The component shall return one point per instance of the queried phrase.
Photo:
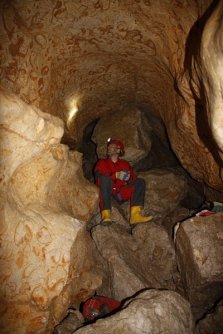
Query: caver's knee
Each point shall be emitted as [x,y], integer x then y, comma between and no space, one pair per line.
[105,181]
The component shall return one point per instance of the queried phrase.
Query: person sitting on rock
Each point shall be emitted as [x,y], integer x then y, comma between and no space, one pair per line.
[116,178]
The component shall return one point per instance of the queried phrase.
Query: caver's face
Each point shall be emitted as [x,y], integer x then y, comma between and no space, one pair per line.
[113,149]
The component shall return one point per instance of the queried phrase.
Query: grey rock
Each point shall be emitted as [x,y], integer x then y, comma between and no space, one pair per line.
[145,258]
[199,249]
[73,320]
[149,312]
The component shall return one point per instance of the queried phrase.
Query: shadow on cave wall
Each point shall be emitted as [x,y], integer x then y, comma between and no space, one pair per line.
[89,150]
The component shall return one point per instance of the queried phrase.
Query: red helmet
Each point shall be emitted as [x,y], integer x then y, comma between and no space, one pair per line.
[119,143]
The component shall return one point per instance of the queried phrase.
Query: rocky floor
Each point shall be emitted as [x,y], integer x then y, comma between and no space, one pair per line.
[171,284]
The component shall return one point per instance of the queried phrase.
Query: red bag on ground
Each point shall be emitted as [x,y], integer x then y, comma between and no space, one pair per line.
[205,213]
[99,306]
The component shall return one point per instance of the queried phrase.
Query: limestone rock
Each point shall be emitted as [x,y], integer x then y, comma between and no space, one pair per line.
[128,125]
[208,66]
[159,156]
[116,246]
[149,312]
[144,259]
[199,246]
[46,254]
[212,322]
[164,191]
[200,87]
[72,321]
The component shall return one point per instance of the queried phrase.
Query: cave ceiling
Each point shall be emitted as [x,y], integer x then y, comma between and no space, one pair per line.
[82,59]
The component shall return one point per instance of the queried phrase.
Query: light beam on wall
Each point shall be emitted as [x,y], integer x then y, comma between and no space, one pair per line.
[72,107]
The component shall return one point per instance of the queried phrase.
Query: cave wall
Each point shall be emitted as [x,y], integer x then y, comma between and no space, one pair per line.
[46,254]
[99,56]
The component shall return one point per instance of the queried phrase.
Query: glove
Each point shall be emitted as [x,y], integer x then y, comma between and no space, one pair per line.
[122,175]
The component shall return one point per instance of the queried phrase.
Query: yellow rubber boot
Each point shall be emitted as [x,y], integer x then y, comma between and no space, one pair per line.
[136,216]
[105,217]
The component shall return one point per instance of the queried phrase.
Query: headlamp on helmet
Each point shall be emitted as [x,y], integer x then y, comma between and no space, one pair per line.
[118,143]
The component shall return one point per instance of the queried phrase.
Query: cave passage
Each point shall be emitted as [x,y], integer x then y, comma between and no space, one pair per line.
[73,74]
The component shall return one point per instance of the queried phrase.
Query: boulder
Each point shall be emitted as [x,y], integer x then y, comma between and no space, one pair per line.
[212,323]
[164,191]
[165,188]
[70,323]
[156,255]
[199,250]
[145,258]
[130,126]
[151,311]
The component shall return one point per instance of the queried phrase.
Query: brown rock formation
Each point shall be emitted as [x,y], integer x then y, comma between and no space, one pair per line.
[46,255]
